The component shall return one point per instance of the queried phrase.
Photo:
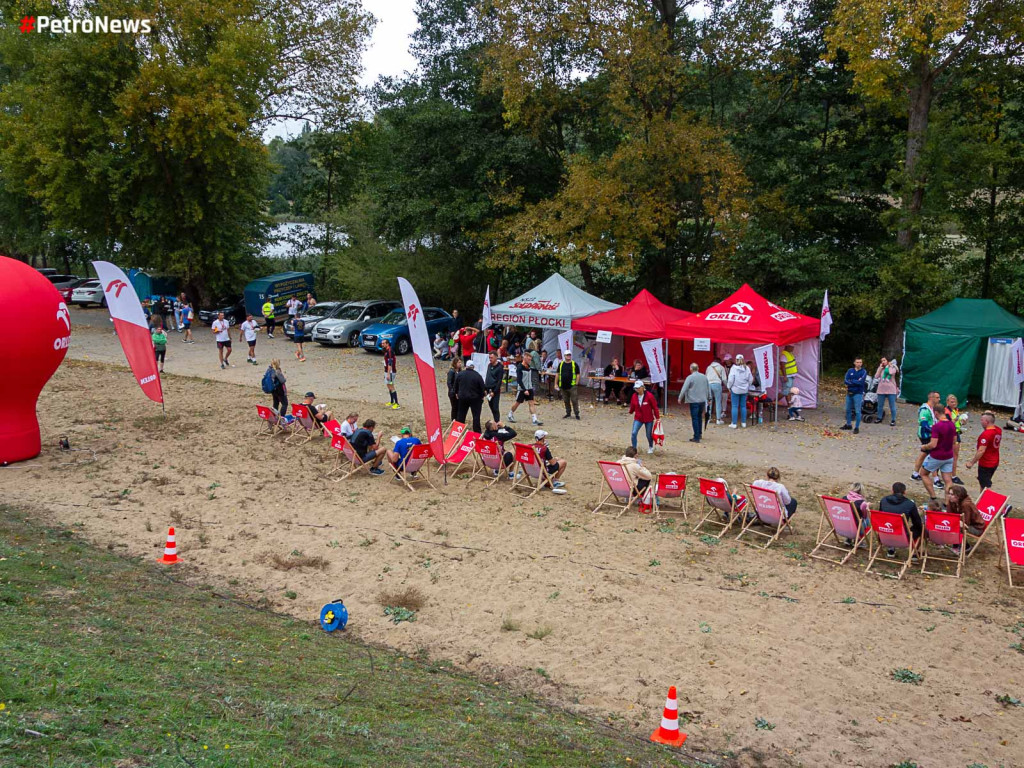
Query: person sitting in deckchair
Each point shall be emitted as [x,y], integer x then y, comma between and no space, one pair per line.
[406,441]
[364,442]
[772,484]
[736,501]
[319,411]
[555,467]
[496,430]
[350,425]
[856,497]
[638,473]
[959,503]
[899,503]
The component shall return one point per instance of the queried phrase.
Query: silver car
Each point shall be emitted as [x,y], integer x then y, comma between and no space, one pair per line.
[90,292]
[314,315]
[345,326]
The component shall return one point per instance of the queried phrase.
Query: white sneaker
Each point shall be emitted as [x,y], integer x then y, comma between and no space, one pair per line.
[719,421]
[512,418]
[651,449]
[744,425]
[732,426]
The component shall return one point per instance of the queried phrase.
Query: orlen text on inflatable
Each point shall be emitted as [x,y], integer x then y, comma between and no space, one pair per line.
[35,328]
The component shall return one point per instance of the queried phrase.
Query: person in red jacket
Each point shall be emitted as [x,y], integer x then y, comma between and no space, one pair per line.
[644,408]
[466,337]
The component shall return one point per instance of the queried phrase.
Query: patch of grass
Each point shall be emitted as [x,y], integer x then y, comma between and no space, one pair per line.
[904,675]
[399,614]
[543,673]
[509,625]
[654,563]
[711,541]
[1009,701]
[334,544]
[1018,647]
[410,598]
[849,600]
[86,682]
[291,594]
[568,525]
[763,725]
[540,632]
[705,628]
[554,595]
[440,532]
[667,526]
[904,764]
[296,560]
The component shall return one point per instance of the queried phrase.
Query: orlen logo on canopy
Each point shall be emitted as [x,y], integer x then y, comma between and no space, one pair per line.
[538,304]
[783,316]
[739,316]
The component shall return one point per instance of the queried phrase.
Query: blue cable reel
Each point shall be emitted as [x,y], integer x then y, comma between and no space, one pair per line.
[334,616]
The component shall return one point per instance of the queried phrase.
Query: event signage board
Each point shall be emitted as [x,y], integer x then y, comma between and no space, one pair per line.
[604,337]
[654,351]
[702,345]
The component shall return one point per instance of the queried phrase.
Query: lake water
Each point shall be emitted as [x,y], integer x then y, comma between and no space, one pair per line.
[294,239]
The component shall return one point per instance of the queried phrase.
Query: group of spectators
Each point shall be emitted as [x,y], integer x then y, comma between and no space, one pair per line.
[180,315]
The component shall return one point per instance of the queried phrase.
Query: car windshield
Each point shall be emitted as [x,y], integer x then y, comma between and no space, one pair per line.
[395,317]
[320,310]
[226,301]
[350,313]
[90,284]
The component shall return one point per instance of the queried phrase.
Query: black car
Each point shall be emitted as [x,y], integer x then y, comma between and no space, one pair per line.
[233,308]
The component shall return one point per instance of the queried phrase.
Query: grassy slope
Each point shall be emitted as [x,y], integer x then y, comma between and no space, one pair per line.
[114,665]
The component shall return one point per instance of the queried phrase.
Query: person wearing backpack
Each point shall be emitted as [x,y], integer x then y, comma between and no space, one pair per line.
[274,383]
[299,337]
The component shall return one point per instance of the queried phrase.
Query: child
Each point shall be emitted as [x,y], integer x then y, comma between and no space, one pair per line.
[796,403]
[160,345]
[440,346]
[186,322]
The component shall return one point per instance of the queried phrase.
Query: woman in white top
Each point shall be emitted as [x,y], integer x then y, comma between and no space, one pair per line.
[739,382]
[773,484]
[716,379]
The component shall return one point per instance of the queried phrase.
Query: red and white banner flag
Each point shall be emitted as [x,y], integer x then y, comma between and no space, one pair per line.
[654,351]
[1017,361]
[131,326]
[485,318]
[565,342]
[826,318]
[423,354]
[764,359]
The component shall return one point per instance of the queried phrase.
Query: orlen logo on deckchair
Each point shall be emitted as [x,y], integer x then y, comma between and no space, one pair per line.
[1017,543]
[886,527]
[942,526]
[671,485]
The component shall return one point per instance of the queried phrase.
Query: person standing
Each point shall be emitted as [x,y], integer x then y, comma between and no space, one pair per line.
[470,391]
[493,379]
[186,322]
[568,379]
[280,391]
[248,330]
[986,456]
[887,389]
[527,378]
[856,380]
[466,337]
[453,374]
[958,419]
[695,393]
[160,345]
[716,376]
[293,305]
[925,420]
[222,332]
[269,317]
[182,302]
[390,372]
[739,383]
[299,337]
[788,368]
[158,313]
[939,454]
[644,407]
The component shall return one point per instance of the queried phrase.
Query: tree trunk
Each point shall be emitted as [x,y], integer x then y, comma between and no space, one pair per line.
[917,128]
[587,272]
[990,230]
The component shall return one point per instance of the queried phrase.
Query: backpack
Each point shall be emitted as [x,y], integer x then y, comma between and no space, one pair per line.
[269,382]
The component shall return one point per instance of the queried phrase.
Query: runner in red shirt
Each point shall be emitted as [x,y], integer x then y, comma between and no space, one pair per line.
[466,337]
[987,455]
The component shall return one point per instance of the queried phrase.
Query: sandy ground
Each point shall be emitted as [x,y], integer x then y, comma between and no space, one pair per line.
[632,606]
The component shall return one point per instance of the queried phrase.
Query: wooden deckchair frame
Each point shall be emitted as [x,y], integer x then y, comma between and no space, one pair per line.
[999,513]
[523,482]
[298,424]
[354,464]
[752,520]
[925,556]
[823,536]
[684,506]
[713,511]
[401,473]
[875,548]
[466,435]
[267,427]
[481,470]
[605,494]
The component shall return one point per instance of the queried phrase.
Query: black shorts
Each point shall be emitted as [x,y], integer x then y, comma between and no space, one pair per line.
[161,354]
[223,345]
[552,468]
[251,343]
[958,437]
[524,395]
[299,339]
[925,441]
[985,476]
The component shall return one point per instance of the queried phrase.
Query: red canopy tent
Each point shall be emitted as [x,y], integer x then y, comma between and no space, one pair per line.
[746,317]
[644,317]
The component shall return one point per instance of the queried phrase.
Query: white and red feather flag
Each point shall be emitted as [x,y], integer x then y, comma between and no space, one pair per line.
[826,318]
[131,326]
[423,354]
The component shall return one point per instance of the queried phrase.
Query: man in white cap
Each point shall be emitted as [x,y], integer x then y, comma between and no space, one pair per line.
[470,392]
[740,379]
[555,467]
[644,407]
[568,378]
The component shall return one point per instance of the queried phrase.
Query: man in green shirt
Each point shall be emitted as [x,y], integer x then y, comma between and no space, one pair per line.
[160,345]
[268,316]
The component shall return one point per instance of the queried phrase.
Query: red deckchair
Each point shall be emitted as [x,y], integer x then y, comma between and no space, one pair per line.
[1013,544]
[303,423]
[621,488]
[943,529]
[718,501]
[270,422]
[332,428]
[463,451]
[454,437]
[534,474]
[844,522]
[768,510]
[892,531]
[348,462]
[990,506]
[670,486]
[489,465]
[413,468]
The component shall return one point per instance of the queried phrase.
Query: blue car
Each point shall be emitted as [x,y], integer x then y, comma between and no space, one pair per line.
[394,328]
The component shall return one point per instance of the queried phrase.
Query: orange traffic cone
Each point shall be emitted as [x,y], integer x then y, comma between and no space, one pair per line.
[171,550]
[669,733]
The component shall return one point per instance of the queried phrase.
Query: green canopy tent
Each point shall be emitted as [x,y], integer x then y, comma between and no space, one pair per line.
[946,350]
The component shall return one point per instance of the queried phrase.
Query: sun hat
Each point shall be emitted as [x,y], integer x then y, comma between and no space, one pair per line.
[540,434]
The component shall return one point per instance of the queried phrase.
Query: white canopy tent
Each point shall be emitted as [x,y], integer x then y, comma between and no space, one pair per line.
[553,304]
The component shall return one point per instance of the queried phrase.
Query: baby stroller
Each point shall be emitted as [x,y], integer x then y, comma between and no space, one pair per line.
[870,405]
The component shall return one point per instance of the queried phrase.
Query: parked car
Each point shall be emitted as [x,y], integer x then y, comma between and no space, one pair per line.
[60,282]
[89,292]
[233,308]
[69,291]
[344,327]
[395,328]
[312,317]
[46,271]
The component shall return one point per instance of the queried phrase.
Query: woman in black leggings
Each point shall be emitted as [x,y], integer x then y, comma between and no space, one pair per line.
[453,372]
[280,393]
